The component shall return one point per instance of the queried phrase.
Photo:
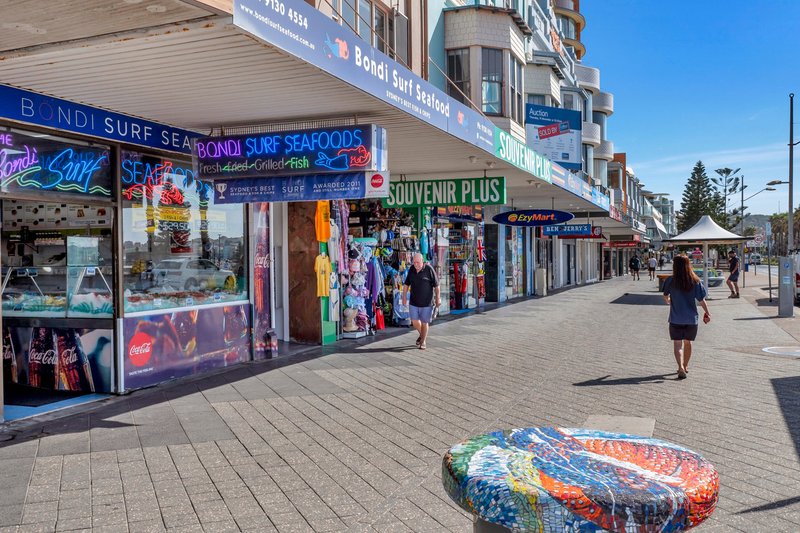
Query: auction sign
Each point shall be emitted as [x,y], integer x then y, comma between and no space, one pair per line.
[556,133]
[287,153]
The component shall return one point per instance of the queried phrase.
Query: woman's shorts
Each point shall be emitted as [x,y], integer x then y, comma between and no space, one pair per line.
[682,332]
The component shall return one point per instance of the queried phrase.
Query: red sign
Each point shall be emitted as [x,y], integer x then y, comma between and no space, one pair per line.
[621,244]
[551,130]
[140,348]
[377,180]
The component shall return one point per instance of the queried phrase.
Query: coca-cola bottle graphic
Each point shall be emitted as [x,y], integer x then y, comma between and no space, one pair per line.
[42,359]
[185,323]
[235,323]
[74,371]
[261,282]
[9,357]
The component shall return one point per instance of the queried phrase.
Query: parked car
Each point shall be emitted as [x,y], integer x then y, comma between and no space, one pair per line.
[755,259]
[192,274]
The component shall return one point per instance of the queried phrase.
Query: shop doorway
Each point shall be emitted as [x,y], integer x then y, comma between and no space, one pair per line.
[58,304]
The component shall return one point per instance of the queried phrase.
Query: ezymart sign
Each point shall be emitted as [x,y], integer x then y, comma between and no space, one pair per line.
[428,193]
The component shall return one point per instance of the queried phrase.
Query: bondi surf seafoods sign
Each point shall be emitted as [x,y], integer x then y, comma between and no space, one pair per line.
[533,217]
[283,153]
[467,191]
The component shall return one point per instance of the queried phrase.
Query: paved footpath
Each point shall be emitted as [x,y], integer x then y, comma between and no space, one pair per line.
[352,440]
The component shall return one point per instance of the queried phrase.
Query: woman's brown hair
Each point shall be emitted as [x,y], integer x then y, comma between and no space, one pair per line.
[683,277]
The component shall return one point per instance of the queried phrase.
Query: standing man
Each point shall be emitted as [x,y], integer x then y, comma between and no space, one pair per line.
[652,263]
[733,277]
[634,264]
[424,285]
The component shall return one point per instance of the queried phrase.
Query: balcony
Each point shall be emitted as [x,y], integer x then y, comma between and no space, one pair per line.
[591,134]
[603,103]
[588,78]
[605,151]
[514,8]
[566,8]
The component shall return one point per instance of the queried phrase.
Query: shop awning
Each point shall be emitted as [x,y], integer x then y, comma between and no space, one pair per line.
[192,67]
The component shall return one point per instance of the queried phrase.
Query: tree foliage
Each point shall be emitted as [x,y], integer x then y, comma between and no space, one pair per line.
[699,198]
[727,184]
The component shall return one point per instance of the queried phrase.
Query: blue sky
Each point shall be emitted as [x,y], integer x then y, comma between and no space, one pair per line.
[706,80]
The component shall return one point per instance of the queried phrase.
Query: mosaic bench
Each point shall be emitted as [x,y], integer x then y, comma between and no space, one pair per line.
[552,480]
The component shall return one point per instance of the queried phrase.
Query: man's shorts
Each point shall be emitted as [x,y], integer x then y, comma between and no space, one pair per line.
[682,332]
[651,269]
[634,269]
[423,314]
[734,277]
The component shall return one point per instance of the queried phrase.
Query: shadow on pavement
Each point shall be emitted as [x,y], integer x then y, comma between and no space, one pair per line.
[756,318]
[640,299]
[773,505]
[787,390]
[656,378]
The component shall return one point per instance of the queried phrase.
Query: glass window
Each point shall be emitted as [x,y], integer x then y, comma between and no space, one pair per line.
[381,37]
[568,100]
[537,99]
[365,20]
[458,72]
[492,81]
[179,249]
[349,14]
[517,107]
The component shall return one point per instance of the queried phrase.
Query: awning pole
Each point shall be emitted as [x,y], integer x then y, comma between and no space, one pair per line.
[705,265]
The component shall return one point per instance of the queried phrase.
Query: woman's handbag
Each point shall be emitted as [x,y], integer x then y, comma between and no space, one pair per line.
[379,320]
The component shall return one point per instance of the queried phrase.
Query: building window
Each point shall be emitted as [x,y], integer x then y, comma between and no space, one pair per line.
[348,11]
[517,106]
[537,99]
[365,20]
[458,71]
[492,81]
[568,101]
[381,30]
[369,21]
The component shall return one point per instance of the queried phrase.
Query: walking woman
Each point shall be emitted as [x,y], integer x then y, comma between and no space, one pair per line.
[682,290]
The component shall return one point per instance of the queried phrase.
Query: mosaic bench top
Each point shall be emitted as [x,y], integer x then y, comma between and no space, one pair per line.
[552,480]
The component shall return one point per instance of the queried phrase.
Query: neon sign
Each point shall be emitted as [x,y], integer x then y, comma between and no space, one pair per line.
[43,163]
[344,149]
[168,182]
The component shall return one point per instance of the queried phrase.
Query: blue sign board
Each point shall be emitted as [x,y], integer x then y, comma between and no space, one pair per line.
[308,34]
[568,230]
[555,133]
[533,217]
[285,153]
[40,162]
[32,108]
[345,186]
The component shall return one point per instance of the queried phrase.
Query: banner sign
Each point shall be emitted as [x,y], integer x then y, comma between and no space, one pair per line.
[621,244]
[466,191]
[68,359]
[577,230]
[597,233]
[32,163]
[287,153]
[556,133]
[167,346]
[345,186]
[32,108]
[304,32]
[510,150]
[533,217]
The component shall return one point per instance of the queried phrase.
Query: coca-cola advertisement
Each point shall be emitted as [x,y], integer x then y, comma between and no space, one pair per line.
[167,346]
[68,359]
[261,287]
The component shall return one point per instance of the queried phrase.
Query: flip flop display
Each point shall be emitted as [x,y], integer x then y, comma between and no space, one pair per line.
[552,480]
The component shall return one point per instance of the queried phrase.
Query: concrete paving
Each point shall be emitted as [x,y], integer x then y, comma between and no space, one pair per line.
[351,440]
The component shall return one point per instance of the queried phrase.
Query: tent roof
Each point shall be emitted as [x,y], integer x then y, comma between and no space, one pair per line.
[706,231]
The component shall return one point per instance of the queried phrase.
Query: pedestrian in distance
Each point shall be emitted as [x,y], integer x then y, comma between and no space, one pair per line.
[661,261]
[635,264]
[423,283]
[733,277]
[651,267]
[682,290]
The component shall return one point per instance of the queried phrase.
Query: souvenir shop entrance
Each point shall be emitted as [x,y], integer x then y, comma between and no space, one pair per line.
[458,256]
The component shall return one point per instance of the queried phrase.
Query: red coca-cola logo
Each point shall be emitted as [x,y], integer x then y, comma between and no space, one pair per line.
[46,358]
[140,349]
[376,181]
